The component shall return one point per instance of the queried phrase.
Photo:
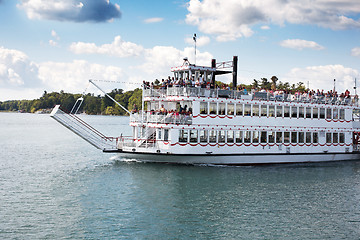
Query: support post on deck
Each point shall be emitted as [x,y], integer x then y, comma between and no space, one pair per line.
[213,65]
[235,63]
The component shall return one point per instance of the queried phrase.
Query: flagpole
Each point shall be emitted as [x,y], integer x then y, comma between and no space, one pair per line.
[194,38]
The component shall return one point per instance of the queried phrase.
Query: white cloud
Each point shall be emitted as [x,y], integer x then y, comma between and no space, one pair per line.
[234,18]
[153,20]
[55,35]
[200,41]
[73,76]
[265,27]
[322,77]
[160,59]
[118,48]
[355,52]
[71,10]
[16,69]
[301,44]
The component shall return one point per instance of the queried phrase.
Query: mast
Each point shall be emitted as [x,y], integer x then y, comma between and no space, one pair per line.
[194,38]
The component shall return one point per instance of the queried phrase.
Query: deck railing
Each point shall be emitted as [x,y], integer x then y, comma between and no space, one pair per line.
[157,117]
[234,94]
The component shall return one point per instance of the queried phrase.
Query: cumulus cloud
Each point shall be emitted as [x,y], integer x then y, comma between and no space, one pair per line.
[71,10]
[118,48]
[322,77]
[153,20]
[200,41]
[160,59]
[301,44]
[17,70]
[235,18]
[355,52]
[72,76]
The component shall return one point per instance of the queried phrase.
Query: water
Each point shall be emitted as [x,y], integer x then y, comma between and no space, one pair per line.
[54,185]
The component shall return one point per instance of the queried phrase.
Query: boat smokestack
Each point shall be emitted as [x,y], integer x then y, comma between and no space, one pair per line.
[213,65]
[235,63]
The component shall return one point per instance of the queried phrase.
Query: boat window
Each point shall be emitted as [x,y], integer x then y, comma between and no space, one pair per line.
[328,113]
[203,136]
[293,137]
[315,113]
[286,137]
[247,110]
[255,110]
[193,136]
[264,110]
[278,137]
[301,137]
[212,136]
[271,111]
[184,107]
[328,137]
[342,114]
[286,111]
[203,108]
[212,108]
[221,109]
[279,111]
[159,134]
[183,136]
[230,109]
[294,112]
[341,138]
[230,136]
[271,137]
[166,134]
[239,136]
[239,109]
[335,113]
[247,137]
[308,112]
[335,138]
[315,137]
[221,136]
[255,137]
[308,137]
[301,112]
[263,137]
[322,113]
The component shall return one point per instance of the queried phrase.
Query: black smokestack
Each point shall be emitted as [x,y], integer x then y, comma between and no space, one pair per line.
[235,63]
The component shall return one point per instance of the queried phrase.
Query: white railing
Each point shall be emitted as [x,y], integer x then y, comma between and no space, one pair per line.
[234,94]
[157,117]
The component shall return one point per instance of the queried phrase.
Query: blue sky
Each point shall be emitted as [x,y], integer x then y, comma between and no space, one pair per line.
[58,45]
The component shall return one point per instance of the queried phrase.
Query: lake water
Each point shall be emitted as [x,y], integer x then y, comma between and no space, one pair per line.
[54,185]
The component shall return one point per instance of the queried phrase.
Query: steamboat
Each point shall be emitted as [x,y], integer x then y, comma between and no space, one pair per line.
[188,120]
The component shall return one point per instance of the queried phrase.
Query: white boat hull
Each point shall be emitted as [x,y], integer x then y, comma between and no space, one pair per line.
[241,159]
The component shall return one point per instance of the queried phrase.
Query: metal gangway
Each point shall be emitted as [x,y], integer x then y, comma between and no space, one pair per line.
[84,130]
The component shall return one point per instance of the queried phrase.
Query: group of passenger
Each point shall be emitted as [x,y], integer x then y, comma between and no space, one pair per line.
[200,82]
[163,111]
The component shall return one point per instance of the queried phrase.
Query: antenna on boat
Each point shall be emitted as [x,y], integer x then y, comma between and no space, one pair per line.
[194,38]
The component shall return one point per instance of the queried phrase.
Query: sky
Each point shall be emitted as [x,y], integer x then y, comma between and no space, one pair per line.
[54,45]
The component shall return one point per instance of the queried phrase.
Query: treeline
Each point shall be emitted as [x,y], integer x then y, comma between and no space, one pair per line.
[91,104]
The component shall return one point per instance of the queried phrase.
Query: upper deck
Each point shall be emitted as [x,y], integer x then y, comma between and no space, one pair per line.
[185,91]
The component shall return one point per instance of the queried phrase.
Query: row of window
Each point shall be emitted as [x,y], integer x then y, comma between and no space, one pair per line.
[223,136]
[240,109]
